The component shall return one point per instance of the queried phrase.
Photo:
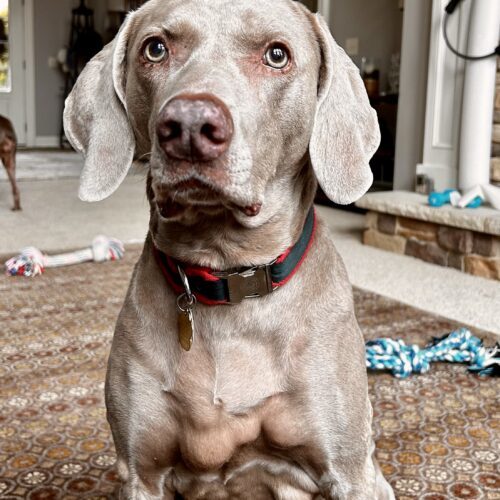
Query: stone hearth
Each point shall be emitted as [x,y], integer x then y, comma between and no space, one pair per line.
[402,222]
[495,160]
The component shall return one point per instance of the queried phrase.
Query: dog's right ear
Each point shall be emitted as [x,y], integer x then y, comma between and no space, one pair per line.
[96,122]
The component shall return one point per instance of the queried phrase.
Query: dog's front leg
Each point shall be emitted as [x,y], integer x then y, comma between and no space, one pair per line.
[137,490]
[343,418]
[141,430]
[359,483]
[137,482]
[351,470]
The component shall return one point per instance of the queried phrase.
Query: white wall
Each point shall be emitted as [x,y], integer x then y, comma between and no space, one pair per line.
[413,93]
[51,33]
[377,23]
[52,26]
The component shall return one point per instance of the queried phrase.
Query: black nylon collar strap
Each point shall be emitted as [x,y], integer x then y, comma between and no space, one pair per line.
[217,288]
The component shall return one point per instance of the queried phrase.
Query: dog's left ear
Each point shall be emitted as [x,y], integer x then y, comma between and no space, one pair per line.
[96,122]
[346,133]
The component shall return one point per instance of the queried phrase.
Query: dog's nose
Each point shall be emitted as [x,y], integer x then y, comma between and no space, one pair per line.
[195,128]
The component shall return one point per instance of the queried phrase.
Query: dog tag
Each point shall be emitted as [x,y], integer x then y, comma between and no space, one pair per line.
[186,329]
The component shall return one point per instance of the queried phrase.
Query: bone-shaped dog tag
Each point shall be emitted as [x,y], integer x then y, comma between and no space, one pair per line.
[186,329]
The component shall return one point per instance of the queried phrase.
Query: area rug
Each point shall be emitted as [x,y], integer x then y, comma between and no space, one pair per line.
[437,435]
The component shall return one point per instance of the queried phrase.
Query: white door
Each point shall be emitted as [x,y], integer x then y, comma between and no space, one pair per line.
[12,65]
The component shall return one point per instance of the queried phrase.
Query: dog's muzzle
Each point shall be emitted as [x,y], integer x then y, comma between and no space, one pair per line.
[195,128]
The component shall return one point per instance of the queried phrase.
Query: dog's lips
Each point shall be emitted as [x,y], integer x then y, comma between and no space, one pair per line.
[169,209]
[174,200]
[193,193]
[192,184]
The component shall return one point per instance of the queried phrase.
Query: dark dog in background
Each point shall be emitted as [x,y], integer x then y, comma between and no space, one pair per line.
[8,148]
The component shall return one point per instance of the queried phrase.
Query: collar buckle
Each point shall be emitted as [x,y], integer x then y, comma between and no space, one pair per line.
[249,284]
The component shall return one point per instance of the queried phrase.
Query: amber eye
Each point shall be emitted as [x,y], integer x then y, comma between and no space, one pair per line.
[155,51]
[277,56]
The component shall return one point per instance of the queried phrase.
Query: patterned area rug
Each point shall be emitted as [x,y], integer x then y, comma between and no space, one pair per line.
[437,435]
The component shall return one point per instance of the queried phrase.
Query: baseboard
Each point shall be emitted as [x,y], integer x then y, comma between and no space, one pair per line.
[47,141]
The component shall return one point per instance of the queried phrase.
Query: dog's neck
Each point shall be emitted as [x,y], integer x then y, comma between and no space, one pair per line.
[220,242]
[213,287]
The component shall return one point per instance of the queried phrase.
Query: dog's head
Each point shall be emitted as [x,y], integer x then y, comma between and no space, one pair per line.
[228,100]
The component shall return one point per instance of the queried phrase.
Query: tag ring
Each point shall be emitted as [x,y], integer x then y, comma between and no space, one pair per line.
[186,303]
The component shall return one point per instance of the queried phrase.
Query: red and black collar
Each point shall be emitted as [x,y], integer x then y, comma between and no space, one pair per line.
[232,287]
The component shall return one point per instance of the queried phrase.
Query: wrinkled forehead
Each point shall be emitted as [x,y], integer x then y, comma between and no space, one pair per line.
[242,22]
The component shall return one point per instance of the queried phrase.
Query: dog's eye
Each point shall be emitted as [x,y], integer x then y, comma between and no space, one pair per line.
[155,51]
[277,56]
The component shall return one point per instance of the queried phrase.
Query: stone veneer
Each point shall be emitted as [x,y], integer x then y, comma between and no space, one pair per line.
[495,160]
[469,251]
[403,222]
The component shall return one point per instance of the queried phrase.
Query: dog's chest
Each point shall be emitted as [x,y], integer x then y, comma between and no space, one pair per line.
[235,378]
[236,366]
[227,397]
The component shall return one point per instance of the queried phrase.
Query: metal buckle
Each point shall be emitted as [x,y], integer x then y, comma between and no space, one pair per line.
[250,284]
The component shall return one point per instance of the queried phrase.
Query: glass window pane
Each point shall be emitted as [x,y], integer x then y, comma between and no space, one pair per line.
[4,47]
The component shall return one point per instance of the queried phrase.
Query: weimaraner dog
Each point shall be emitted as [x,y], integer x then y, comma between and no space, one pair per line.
[237,368]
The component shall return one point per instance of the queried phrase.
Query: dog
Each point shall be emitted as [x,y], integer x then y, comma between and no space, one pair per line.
[8,149]
[237,368]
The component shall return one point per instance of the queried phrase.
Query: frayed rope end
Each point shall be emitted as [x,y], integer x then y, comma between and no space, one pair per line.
[30,263]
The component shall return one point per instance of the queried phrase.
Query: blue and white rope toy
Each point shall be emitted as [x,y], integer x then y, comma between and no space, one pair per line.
[459,347]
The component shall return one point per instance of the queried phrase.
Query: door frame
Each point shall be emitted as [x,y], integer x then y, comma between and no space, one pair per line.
[324,9]
[29,73]
[413,92]
[13,99]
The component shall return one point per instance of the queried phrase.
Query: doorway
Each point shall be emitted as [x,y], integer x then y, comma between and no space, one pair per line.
[12,66]
[311,4]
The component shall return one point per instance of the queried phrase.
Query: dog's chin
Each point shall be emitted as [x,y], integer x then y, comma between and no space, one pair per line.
[192,199]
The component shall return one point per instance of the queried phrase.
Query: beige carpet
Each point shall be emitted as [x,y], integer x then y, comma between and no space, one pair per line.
[437,435]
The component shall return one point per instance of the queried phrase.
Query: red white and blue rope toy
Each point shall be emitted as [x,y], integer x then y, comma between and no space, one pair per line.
[32,262]
[459,347]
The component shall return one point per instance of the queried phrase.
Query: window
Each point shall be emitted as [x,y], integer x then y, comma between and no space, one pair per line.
[4,47]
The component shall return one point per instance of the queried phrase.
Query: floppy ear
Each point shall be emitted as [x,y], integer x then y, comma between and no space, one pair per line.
[96,123]
[346,133]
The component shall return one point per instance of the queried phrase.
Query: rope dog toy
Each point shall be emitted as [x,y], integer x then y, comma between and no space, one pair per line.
[32,262]
[459,347]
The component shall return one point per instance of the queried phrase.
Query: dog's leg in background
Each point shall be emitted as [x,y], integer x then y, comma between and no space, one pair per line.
[8,150]
[9,161]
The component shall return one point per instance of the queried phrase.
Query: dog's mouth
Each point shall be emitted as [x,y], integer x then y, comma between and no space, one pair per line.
[173,201]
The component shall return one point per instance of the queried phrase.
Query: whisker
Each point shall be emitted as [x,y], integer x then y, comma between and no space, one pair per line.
[145,155]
